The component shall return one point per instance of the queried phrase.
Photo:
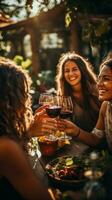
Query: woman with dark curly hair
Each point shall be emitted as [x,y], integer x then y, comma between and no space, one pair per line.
[75,78]
[17,180]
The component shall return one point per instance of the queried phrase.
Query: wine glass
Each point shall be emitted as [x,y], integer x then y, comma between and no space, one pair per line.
[66,107]
[54,107]
[52,104]
[66,111]
[45,99]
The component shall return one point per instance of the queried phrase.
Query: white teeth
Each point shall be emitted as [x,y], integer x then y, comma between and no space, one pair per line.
[72,79]
[102,90]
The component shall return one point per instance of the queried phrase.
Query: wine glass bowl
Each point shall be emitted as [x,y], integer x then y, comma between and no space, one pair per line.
[66,107]
[45,99]
[52,103]
[53,111]
[54,108]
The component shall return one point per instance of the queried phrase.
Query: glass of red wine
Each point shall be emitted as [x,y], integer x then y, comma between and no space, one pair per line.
[66,112]
[51,103]
[54,107]
[66,107]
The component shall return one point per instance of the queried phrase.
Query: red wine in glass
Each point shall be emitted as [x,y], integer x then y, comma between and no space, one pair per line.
[66,115]
[53,111]
[66,107]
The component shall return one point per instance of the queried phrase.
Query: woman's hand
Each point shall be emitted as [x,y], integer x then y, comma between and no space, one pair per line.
[67,126]
[42,124]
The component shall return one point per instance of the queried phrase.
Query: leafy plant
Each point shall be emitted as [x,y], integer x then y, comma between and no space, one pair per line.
[41,82]
[19,60]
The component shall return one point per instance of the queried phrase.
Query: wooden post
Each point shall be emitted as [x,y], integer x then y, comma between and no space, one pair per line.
[34,47]
[74,37]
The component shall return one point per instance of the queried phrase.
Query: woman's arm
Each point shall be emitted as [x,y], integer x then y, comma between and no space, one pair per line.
[15,167]
[100,123]
[87,138]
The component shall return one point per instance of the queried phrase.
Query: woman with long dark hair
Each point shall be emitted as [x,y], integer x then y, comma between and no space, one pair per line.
[75,78]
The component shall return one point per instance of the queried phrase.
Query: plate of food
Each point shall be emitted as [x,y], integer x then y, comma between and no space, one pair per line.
[68,170]
[74,171]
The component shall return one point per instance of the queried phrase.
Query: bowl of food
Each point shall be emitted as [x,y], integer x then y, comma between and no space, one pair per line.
[48,144]
[68,171]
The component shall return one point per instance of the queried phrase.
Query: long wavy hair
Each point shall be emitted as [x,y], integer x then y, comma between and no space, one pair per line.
[15,100]
[88,77]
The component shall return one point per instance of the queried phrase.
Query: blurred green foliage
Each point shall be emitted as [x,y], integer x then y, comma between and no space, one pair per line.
[41,82]
[19,60]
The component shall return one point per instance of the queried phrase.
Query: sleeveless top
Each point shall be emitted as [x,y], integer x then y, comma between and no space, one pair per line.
[7,191]
[108,127]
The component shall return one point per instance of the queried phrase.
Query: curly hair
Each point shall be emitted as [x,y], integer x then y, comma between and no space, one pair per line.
[88,79]
[15,100]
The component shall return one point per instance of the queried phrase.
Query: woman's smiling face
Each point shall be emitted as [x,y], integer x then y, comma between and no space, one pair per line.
[105,84]
[72,73]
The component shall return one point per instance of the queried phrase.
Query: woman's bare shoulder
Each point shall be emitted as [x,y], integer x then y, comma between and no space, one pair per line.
[103,107]
[9,149]
[7,144]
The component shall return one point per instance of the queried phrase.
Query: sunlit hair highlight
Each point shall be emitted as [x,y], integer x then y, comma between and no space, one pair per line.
[15,100]
[88,79]
[107,63]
